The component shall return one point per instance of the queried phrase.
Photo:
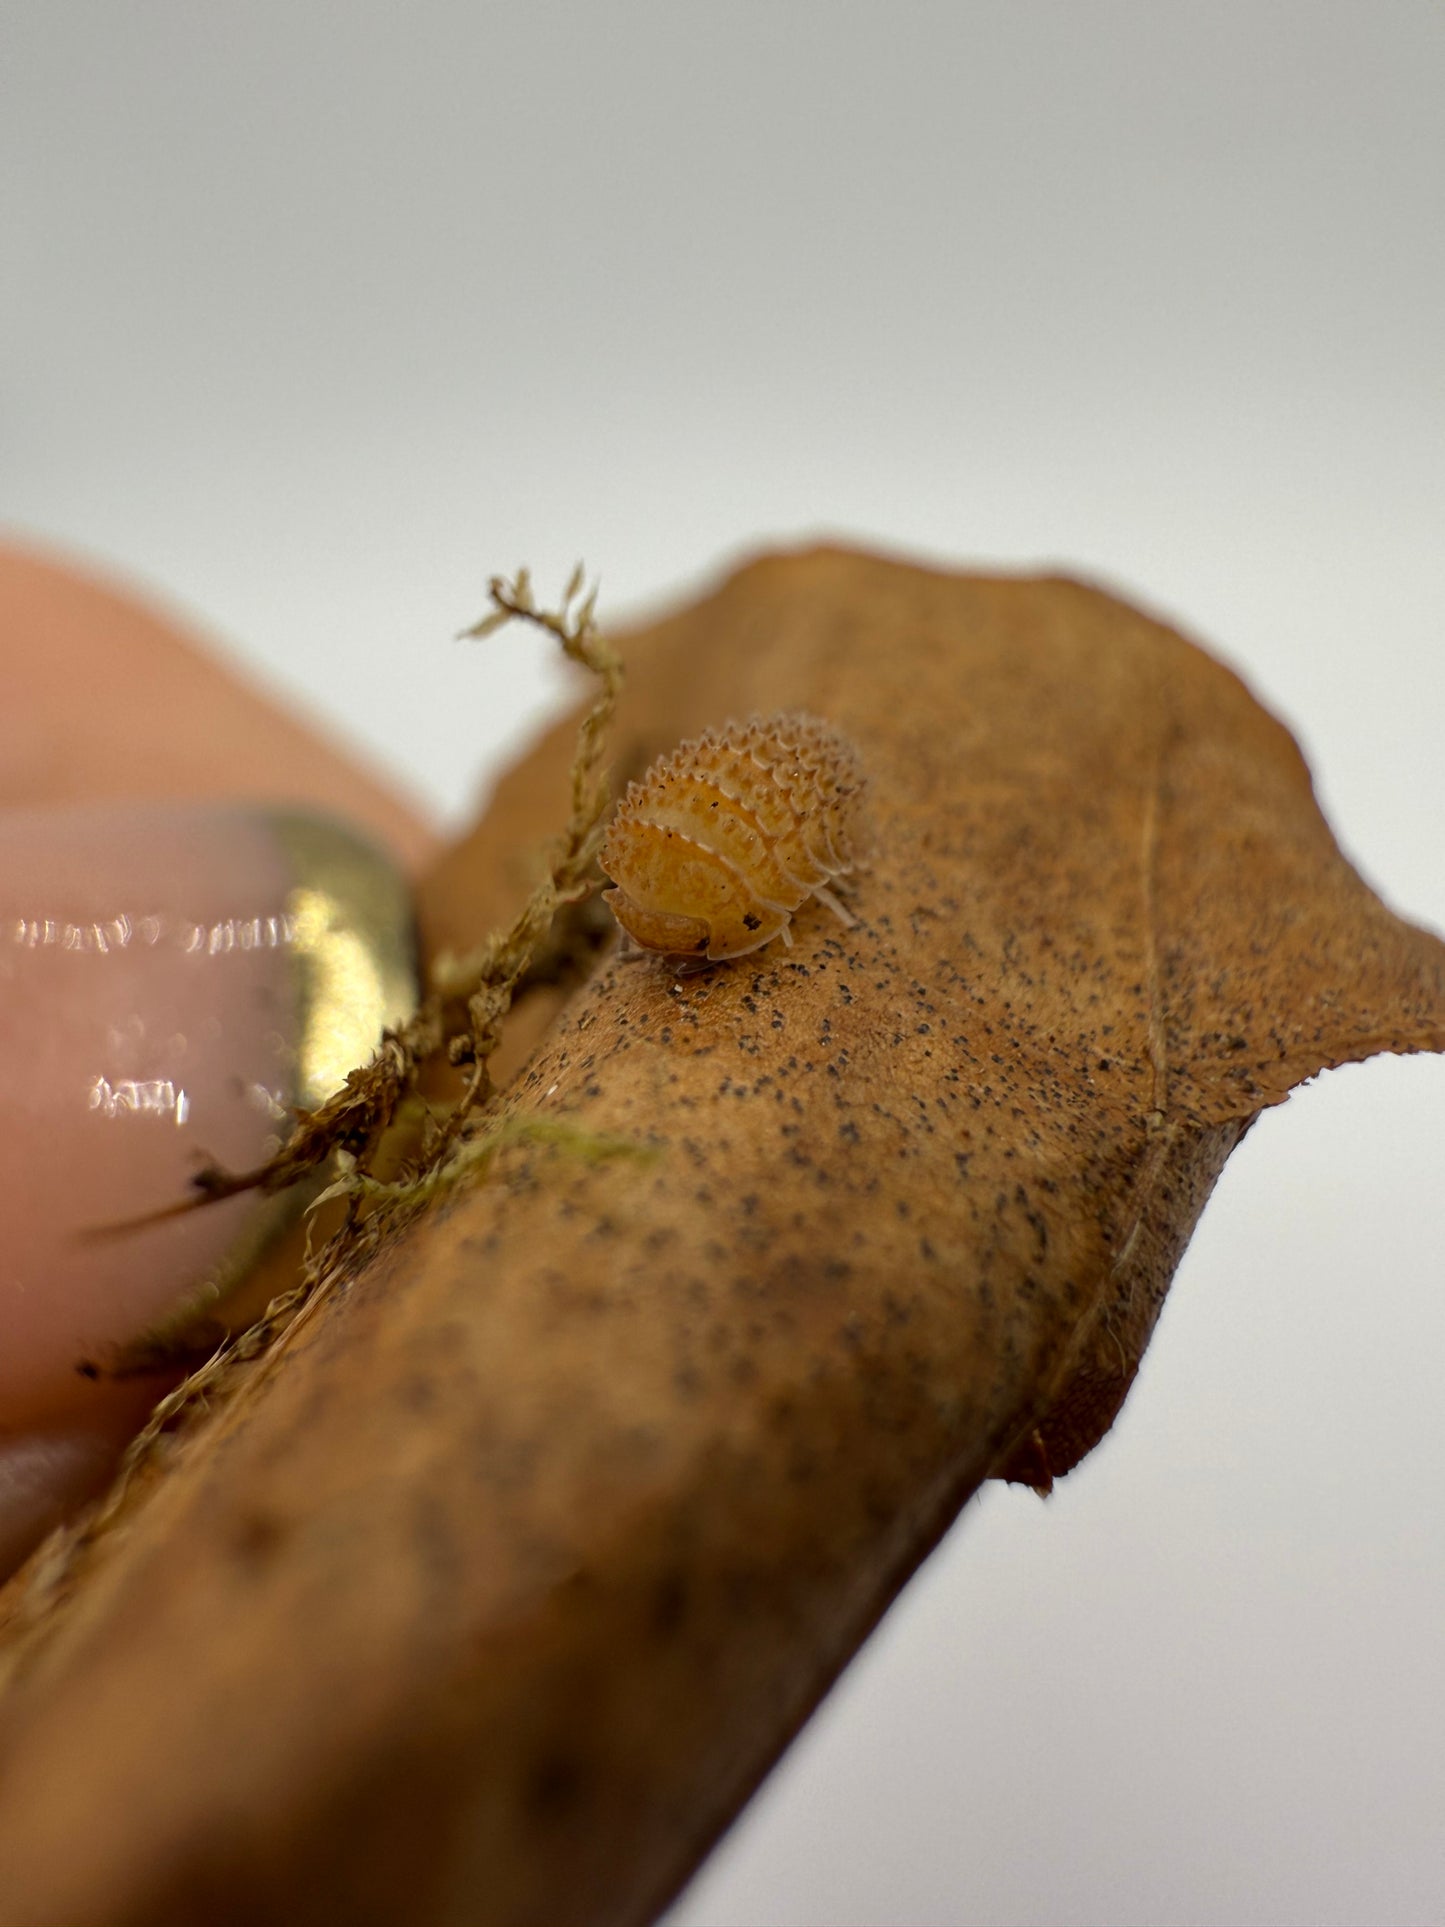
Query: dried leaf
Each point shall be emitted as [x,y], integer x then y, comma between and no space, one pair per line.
[493,1597]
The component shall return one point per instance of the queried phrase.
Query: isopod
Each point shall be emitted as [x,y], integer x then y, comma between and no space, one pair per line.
[724,838]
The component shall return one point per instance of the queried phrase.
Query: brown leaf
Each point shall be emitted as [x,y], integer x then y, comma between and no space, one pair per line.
[492,1596]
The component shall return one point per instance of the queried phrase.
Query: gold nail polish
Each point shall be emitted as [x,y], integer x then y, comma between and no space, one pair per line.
[354,948]
[348,926]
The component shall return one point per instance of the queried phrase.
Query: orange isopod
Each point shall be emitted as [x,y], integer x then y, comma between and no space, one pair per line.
[723,839]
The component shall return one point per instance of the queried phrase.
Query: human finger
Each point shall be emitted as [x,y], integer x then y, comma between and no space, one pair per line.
[166,972]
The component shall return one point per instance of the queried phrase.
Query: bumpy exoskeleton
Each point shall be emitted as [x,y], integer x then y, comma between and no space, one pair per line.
[722,840]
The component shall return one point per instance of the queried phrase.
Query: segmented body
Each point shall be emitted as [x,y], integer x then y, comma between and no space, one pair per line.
[723,839]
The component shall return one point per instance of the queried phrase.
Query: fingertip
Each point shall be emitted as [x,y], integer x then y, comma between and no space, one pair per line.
[176,983]
[109,694]
[47,1475]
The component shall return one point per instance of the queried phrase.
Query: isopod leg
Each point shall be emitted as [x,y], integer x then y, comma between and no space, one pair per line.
[848,921]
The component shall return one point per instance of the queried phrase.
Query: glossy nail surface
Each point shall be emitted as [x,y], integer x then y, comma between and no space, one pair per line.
[172,983]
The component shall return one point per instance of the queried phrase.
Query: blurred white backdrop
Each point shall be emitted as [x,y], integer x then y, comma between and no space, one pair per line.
[316,314]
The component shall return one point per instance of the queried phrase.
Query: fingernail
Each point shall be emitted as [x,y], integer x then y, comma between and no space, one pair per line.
[172,983]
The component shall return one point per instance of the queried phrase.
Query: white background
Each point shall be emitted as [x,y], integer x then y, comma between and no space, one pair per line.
[314,315]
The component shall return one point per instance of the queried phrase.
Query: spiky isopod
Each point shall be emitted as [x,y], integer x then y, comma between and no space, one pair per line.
[722,840]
